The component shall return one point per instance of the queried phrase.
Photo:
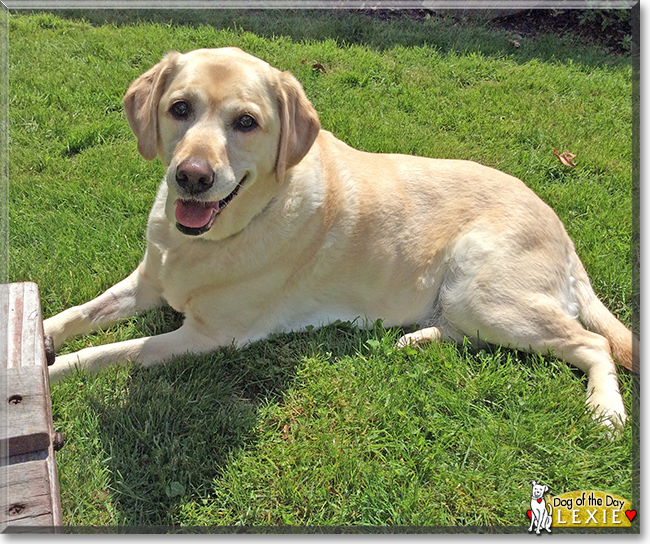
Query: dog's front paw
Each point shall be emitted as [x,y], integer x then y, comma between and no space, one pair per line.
[609,413]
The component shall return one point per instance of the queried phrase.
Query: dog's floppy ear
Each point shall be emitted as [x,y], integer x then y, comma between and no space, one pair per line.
[141,104]
[299,124]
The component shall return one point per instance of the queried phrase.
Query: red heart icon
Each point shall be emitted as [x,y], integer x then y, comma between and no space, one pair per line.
[539,500]
[630,514]
[529,513]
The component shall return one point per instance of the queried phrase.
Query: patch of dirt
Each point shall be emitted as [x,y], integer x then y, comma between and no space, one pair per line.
[587,25]
[611,30]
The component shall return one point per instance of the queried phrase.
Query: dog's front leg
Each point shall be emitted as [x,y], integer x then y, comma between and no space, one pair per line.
[126,298]
[147,351]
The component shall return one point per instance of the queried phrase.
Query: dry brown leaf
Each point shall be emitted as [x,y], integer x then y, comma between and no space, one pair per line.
[319,67]
[566,158]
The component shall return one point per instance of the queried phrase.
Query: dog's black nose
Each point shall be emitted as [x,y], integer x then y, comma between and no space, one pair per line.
[195,175]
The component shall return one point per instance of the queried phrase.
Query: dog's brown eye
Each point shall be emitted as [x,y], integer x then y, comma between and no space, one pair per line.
[246,122]
[180,109]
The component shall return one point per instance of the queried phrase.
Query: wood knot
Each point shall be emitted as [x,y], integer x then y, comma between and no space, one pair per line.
[15,509]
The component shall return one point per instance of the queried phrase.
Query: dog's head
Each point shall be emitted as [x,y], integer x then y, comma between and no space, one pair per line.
[227,126]
[538,490]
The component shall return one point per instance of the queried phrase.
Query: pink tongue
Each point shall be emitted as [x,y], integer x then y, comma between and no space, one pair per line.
[193,214]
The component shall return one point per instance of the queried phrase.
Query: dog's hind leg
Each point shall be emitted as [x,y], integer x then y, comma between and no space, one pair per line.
[526,293]
[539,324]
[591,353]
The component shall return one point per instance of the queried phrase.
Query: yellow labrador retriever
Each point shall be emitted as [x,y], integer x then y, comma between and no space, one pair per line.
[266,223]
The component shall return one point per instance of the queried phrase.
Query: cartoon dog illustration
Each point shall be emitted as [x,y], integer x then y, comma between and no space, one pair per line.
[540,517]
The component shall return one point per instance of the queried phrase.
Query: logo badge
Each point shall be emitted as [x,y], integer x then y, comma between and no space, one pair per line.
[577,509]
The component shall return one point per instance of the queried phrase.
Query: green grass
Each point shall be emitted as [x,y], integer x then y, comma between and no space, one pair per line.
[328,427]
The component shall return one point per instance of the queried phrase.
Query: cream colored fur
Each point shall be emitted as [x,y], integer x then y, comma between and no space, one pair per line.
[320,231]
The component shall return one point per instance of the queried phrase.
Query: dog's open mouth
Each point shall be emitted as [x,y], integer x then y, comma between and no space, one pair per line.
[195,217]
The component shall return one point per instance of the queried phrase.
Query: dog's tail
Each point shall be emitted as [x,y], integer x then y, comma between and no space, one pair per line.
[597,318]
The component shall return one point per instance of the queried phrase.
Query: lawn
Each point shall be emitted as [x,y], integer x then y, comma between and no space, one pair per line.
[330,427]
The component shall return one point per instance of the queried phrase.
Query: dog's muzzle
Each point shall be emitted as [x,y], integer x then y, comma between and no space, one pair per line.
[195,216]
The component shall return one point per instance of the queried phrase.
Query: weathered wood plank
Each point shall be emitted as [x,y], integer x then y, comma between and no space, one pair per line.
[28,496]
[14,325]
[24,325]
[29,484]
[32,348]
[26,407]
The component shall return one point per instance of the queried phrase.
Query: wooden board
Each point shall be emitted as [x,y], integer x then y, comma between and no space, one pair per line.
[28,499]
[21,333]
[24,403]
[29,484]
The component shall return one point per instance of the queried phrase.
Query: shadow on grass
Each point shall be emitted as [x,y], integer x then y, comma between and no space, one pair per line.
[380,30]
[174,427]
[170,432]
